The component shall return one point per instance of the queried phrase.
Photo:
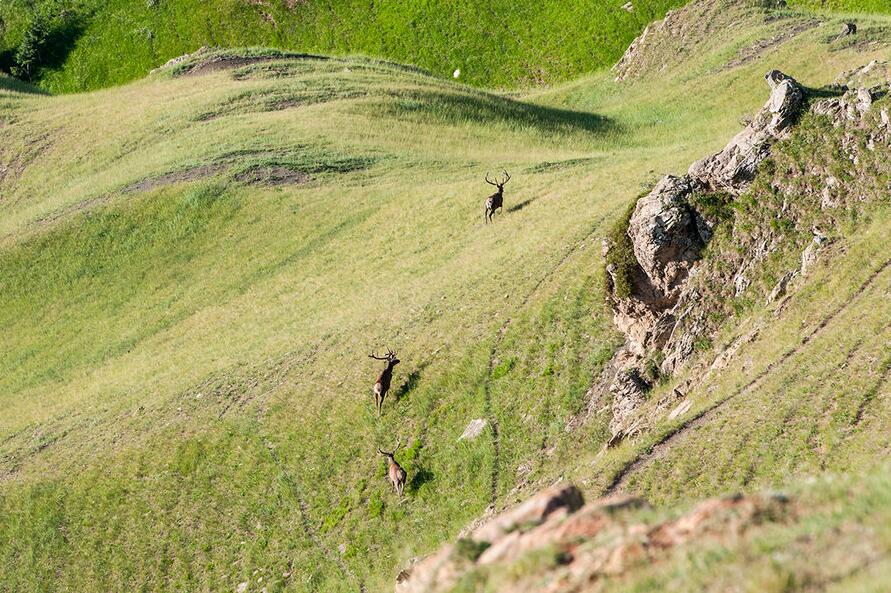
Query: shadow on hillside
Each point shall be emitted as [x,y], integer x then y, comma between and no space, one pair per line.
[51,40]
[486,108]
[60,42]
[421,476]
[519,206]
[410,382]
[824,92]
[7,83]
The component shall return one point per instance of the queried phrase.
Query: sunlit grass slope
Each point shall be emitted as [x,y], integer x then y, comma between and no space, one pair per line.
[76,45]
[194,269]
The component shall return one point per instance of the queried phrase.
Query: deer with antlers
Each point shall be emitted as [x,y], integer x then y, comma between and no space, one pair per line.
[495,201]
[395,473]
[382,386]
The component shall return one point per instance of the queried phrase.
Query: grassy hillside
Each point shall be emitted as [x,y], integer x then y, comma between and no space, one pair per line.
[851,6]
[195,267]
[76,45]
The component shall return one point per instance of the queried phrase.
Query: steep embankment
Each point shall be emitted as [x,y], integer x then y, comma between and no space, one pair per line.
[196,266]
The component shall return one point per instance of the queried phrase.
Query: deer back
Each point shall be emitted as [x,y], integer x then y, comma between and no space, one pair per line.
[385,377]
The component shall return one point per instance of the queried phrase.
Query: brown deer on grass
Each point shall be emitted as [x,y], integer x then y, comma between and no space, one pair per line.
[382,386]
[395,473]
[495,201]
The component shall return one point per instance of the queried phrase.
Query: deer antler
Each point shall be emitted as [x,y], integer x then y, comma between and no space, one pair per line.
[382,452]
[376,357]
[506,177]
[489,181]
[396,448]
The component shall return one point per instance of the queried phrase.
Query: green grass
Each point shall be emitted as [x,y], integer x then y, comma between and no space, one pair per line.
[183,369]
[64,45]
[496,44]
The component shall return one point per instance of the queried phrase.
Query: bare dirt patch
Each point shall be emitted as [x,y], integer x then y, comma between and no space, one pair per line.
[215,63]
[190,174]
[276,175]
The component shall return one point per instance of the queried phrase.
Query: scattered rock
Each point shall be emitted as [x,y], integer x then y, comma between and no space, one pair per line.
[848,29]
[779,290]
[828,197]
[810,255]
[629,393]
[474,429]
[628,7]
[681,409]
[242,587]
[180,59]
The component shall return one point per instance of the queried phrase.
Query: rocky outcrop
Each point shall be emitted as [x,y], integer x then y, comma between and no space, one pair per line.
[664,309]
[493,541]
[694,28]
[593,541]
[668,234]
[734,168]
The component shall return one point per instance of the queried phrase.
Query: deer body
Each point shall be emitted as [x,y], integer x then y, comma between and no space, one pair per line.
[395,474]
[496,200]
[382,385]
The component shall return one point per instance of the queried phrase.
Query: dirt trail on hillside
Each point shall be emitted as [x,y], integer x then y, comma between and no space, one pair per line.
[499,338]
[660,448]
[309,530]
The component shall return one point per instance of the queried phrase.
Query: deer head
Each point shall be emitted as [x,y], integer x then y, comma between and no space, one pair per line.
[498,182]
[391,453]
[390,357]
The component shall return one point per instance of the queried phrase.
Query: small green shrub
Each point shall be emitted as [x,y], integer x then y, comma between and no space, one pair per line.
[716,207]
[620,257]
[375,505]
[468,549]
[702,344]
[504,367]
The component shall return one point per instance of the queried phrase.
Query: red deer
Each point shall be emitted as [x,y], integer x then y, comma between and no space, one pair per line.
[495,201]
[383,381]
[395,473]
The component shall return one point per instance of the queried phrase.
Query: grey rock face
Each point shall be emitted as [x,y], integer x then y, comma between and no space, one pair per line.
[734,168]
[664,233]
[667,232]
